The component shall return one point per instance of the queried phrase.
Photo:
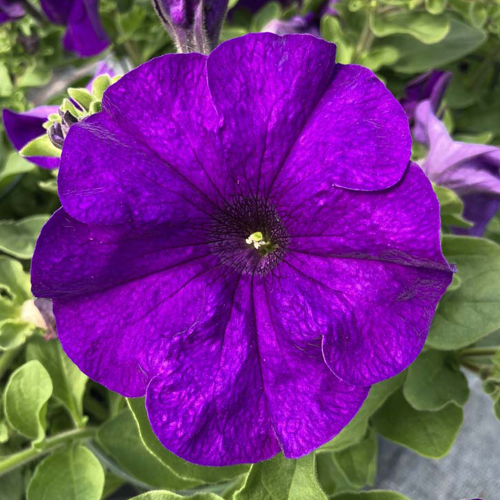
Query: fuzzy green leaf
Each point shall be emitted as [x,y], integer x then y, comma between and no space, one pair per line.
[120,438]
[371,495]
[423,26]
[15,165]
[435,380]
[41,146]
[25,400]
[168,495]
[17,238]
[71,474]
[468,313]
[82,96]
[100,84]
[282,479]
[429,433]
[68,381]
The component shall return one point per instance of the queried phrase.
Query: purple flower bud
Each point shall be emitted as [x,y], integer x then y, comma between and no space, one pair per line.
[56,135]
[194,25]
[10,10]
[431,85]
[84,34]
[471,170]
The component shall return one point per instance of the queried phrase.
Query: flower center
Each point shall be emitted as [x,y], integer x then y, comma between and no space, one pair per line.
[249,235]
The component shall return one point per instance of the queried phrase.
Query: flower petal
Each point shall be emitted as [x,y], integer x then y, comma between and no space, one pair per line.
[166,102]
[357,137]
[399,225]
[121,337]
[108,176]
[308,404]
[479,208]
[72,258]
[22,128]
[209,404]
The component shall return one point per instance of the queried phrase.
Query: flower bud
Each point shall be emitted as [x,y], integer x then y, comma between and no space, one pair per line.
[194,25]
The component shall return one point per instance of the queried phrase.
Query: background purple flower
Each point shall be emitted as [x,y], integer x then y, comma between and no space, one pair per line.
[471,170]
[22,128]
[243,242]
[84,34]
[11,10]
[297,24]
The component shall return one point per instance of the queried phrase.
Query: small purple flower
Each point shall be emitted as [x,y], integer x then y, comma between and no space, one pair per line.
[84,34]
[11,10]
[471,170]
[429,86]
[243,241]
[22,128]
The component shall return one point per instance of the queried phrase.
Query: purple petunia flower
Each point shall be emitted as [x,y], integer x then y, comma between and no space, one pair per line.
[471,170]
[84,34]
[430,86]
[23,127]
[11,10]
[243,241]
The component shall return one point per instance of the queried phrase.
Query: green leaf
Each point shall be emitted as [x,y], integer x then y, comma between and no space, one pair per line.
[41,146]
[417,57]
[182,468]
[68,381]
[13,333]
[72,474]
[378,57]
[120,439]
[359,462]
[36,76]
[12,486]
[25,400]
[423,26]
[435,6]
[356,430]
[282,479]
[435,380]
[371,495]
[270,11]
[15,165]
[17,238]
[468,313]
[451,207]
[100,84]
[82,96]
[6,86]
[429,433]
[167,495]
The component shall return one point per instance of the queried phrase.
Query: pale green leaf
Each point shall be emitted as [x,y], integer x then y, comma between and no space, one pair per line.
[423,26]
[81,96]
[267,13]
[435,6]
[41,146]
[99,85]
[25,399]
[417,57]
[13,333]
[429,433]
[451,207]
[18,238]
[435,380]
[167,495]
[371,495]
[67,379]
[120,439]
[71,474]
[6,86]
[182,468]
[468,313]
[15,165]
[282,479]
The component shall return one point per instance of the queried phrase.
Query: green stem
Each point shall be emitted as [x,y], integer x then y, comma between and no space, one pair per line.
[11,462]
[365,40]
[7,358]
[480,351]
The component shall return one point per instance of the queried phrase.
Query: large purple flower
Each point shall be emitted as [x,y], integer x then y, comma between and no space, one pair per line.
[243,242]
[471,170]
[84,34]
